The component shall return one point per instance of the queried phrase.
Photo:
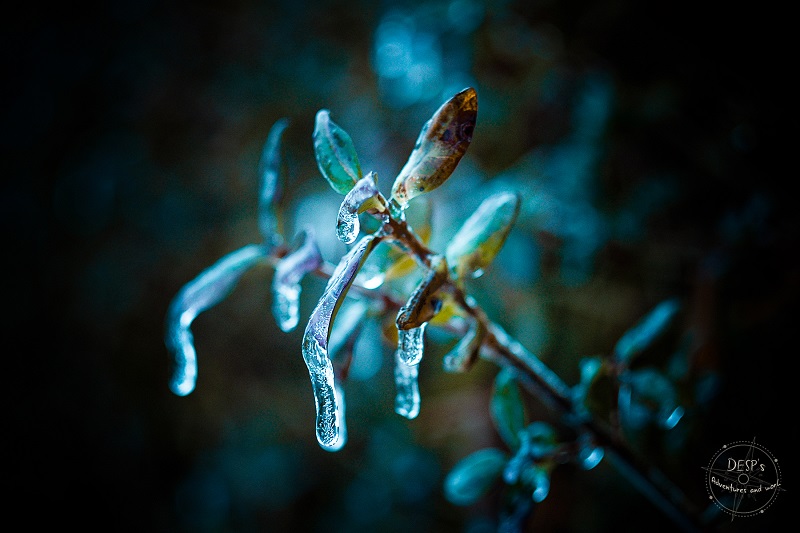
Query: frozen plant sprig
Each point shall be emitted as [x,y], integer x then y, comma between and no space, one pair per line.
[441,299]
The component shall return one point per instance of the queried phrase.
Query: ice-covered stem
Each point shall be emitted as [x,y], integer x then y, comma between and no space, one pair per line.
[547,387]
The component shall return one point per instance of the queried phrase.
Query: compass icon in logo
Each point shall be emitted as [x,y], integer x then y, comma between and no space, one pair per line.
[743,478]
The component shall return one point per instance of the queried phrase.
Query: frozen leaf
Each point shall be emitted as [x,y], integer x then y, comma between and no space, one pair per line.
[647,331]
[473,476]
[315,342]
[479,240]
[347,224]
[423,304]
[269,176]
[335,154]
[208,289]
[289,272]
[507,408]
[442,142]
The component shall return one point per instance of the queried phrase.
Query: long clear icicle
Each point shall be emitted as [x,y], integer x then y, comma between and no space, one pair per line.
[328,398]
[289,273]
[206,290]
[329,401]
[407,399]
[347,224]
[410,347]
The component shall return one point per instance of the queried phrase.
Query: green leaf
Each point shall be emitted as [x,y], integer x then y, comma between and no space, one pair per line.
[507,408]
[474,475]
[478,241]
[335,153]
[442,142]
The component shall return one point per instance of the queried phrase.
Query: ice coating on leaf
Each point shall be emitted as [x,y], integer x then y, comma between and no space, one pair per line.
[480,238]
[269,173]
[407,398]
[423,305]
[335,154]
[410,344]
[206,290]
[442,142]
[315,343]
[347,225]
[466,351]
[289,272]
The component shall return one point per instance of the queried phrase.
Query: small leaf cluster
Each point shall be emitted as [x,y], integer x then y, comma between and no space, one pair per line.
[523,475]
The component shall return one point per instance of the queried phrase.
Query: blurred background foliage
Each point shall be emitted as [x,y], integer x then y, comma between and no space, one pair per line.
[646,138]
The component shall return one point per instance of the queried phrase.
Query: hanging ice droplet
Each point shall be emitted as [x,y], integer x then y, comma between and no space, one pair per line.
[407,399]
[286,306]
[410,344]
[347,224]
[329,424]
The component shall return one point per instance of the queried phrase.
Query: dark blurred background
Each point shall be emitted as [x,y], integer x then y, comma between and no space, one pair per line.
[647,137]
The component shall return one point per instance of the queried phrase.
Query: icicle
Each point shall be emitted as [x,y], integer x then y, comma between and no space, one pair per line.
[329,422]
[410,344]
[347,224]
[407,399]
[208,289]
[330,411]
[286,281]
